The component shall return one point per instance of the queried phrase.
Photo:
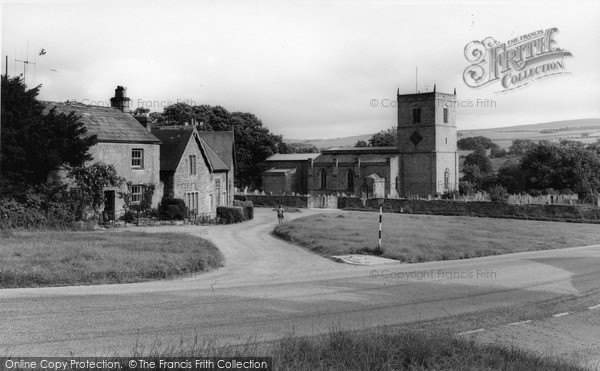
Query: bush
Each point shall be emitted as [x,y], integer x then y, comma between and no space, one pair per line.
[248,207]
[230,214]
[498,194]
[172,209]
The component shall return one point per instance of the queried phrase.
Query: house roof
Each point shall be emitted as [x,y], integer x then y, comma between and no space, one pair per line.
[214,161]
[107,123]
[292,157]
[175,140]
[173,145]
[221,142]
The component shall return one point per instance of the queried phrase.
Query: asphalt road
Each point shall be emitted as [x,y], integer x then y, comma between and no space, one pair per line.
[269,288]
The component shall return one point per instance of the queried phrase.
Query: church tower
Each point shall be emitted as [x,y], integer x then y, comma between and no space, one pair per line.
[428,162]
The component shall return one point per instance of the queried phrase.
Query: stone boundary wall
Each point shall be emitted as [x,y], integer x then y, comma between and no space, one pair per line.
[562,213]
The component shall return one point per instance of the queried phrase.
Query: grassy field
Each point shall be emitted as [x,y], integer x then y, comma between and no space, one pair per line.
[61,258]
[419,238]
[379,349]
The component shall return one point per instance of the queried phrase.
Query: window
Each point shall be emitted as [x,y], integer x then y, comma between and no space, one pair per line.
[447,179]
[136,194]
[137,158]
[445,115]
[322,179]
[192,164]
[350,179]
[192,202]
[218,191]
[416,115]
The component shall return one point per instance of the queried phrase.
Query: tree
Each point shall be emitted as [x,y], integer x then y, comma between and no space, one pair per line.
[479,159]
[511,177]
[385,138]
[35,144]
[475,143]
[361,143]
[91,182]
[561,166]
[520,146]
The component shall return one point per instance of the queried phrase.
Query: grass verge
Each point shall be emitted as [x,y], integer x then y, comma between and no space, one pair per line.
[419,238]
[378,349]
[60,258]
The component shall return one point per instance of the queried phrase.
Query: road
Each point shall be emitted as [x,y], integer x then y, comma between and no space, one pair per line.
[269,287]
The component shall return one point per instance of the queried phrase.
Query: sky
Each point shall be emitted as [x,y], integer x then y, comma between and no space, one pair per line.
[307,70]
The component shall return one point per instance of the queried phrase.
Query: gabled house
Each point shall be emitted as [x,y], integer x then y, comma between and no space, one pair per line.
[122,142]
[197,167]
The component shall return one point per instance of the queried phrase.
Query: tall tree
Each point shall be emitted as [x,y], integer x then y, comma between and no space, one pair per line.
[33,143]
[385,138]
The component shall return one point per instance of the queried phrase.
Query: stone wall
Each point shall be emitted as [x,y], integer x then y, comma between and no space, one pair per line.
[566,213]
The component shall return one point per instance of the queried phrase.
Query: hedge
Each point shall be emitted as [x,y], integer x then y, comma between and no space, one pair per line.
[230,214]
[172,209]
[248,207]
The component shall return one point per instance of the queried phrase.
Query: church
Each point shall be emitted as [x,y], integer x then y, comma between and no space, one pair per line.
[424,162]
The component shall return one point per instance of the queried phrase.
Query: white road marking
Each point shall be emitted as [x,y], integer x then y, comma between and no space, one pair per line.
[594,307]
[471,332]
[519,323]
[560,314]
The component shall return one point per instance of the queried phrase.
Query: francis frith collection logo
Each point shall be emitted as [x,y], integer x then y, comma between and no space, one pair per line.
[516,62]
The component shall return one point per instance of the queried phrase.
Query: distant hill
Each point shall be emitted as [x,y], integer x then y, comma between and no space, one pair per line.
[328,143]
[583,130]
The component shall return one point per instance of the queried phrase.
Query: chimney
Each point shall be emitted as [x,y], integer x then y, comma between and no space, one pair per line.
[120,99]
[145,121]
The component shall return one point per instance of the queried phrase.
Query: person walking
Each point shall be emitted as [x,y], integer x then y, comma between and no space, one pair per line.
[280,216]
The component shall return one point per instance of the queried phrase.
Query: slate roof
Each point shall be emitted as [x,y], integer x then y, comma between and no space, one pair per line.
[221,142]
[172,147]
[109,124]
[360,150]
[214,161]
[350,158]
[174,141]
[283,171]
[292,157]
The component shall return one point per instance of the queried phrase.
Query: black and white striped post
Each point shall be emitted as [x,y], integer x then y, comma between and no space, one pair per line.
[379,251]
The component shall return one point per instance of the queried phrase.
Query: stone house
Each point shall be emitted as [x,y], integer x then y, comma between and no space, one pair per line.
[196,166]
[122,142]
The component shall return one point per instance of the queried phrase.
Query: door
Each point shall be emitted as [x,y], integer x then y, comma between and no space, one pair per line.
[109,204]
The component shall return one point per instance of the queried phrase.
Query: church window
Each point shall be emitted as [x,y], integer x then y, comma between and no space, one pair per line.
[416,115]
[322,179]
[350,179]
[445,115]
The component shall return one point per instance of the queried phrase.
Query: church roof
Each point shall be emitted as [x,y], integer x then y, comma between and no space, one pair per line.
[349,158]
[292,157]
[360,150]
[108,124]
[280,171]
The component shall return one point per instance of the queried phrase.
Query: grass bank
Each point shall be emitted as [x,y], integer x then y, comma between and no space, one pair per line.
[419,238]
[61,258]
[378,349]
